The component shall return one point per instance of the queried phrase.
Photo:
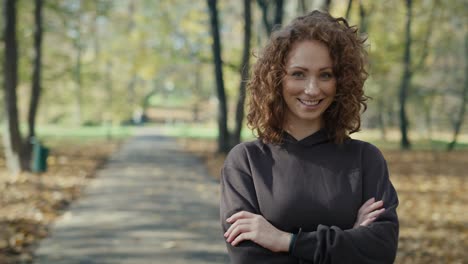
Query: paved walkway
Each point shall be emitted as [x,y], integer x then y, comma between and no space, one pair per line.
[151,203]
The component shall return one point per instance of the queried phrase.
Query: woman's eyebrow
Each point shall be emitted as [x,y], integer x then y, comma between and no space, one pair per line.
[306,69]
[298,67]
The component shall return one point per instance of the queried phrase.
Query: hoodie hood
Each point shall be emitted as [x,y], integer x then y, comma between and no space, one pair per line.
[321,136]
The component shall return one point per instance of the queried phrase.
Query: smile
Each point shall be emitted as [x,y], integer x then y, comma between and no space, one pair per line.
[310,103]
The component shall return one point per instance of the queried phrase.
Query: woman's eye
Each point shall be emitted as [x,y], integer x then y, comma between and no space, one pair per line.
[297,74]
[326,75]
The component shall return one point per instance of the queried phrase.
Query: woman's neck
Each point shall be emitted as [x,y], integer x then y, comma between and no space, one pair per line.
[300,130]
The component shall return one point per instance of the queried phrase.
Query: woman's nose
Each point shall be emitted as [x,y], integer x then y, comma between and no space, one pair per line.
[311,87]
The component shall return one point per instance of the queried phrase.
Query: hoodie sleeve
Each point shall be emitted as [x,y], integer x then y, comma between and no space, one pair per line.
[375,243]
[238,194]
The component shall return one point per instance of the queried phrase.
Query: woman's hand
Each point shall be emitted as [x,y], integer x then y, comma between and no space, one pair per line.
[369,212]
[249,226]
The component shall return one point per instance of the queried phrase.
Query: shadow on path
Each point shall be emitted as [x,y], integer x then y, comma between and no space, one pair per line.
[151,203]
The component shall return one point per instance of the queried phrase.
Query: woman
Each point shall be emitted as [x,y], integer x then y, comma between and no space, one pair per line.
[304,192]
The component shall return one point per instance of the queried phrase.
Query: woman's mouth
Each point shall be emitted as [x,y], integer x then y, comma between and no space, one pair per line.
[309,103]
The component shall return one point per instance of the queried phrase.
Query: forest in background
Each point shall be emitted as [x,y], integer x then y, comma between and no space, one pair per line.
[104,62]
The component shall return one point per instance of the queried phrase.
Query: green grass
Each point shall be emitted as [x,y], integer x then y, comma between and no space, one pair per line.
[83,133]
[190,131]
[92,132]
[210,132]
[198,131]
[169,101]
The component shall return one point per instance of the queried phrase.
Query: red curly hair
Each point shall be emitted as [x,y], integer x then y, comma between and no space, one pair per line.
[266,104]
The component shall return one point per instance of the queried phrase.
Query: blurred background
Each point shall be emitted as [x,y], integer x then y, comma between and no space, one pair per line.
[79,78]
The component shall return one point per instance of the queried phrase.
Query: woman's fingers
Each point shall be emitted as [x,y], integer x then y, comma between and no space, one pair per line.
[368,221]
[376,213]
[368,212]
[368,202]
[371,207]
[239,215]
[237,231]
[242,237]
[237,219]
[371,217]
[248,226]
[237,223]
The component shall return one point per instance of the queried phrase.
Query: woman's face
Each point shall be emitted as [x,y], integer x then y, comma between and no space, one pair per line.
[309,85]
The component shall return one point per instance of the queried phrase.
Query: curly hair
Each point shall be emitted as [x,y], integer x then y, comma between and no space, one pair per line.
[347,51]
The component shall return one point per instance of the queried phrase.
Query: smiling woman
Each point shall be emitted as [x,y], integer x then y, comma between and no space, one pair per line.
[304,191]
[309,86]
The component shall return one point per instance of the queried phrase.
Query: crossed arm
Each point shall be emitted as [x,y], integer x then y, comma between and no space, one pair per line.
[254,227]
[373,238]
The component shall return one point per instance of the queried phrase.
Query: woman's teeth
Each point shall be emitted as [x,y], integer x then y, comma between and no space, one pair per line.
[310,102]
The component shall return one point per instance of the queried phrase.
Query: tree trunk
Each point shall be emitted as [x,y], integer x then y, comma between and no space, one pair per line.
[131,90]
[133,77]
[197,92]
[408,70]
[96,32]
[36,82]
[109,88]
[427,106]
[263,4]
[78,93]
[348,10]
[302,7]
[12,135]
[461,115]
[364,20]
[279,10]
[278,16]
[223,135]
[326,5]
[406,79]
[383,131]
[425,48]
[77,77]
[97,56]
[244,73]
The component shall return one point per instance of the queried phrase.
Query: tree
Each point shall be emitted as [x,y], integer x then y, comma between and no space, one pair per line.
[406,78]
[12,134]
[109,92]
[36,80]
[409,70]
[77,71]
[348,9]
[326,5]
[244,72]
[363,15]
[131,85]
[461,116]
[268,21]
[223,134]
[302,6]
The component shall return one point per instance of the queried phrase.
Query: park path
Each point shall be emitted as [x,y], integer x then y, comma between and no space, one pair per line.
[151,203]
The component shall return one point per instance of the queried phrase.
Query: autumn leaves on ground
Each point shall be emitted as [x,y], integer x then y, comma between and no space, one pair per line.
[431,187]
[30,202]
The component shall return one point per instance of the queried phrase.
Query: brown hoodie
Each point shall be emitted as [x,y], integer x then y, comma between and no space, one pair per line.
[313,188]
